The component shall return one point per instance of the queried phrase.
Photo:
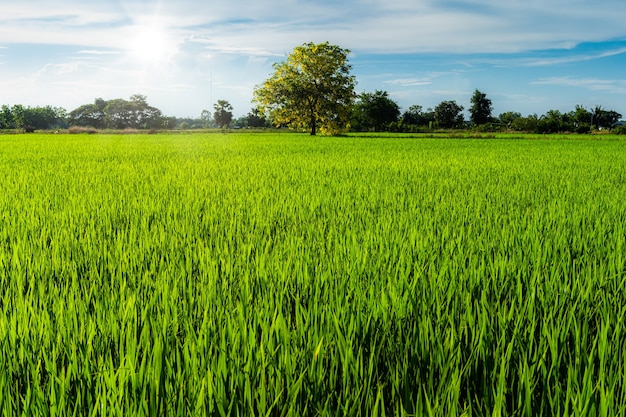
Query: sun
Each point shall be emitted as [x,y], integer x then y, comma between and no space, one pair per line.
[151,44]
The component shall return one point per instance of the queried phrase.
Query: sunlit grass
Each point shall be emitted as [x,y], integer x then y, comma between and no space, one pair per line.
[287,275]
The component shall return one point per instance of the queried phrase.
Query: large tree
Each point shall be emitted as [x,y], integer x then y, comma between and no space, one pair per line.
[311,89]
[480,110]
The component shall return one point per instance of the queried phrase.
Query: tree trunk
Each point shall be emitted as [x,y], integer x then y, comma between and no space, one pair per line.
[313,126]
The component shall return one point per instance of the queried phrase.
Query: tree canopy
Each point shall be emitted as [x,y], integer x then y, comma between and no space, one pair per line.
[118,113]
[449,114]
[30,118]
[312,88]
[480,110]
[223,114]
[604,118]
[374,111]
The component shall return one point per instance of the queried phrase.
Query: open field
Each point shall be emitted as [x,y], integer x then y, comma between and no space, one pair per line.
[279,274]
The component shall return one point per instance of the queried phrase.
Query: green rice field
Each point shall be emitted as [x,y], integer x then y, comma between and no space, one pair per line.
[269,274]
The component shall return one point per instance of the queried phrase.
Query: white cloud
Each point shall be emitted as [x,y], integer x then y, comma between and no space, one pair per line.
[277,26]
[97,52]
[408,82]
[575,58]
[593,84]
[61,69]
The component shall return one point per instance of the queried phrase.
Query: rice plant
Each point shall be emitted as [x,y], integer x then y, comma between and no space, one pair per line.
[276,274]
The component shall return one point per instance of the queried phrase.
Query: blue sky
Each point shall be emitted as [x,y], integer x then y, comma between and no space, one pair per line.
[529,56]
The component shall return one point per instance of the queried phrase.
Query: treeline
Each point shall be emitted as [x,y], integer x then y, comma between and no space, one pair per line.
[23,118]
[117,114]
[375,112]
[378,112]
[120,114]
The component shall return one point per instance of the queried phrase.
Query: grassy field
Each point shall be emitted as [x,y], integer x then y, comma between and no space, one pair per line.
[279,274]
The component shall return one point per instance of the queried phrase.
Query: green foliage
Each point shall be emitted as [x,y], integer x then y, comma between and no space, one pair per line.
[279,275]
[619,130]
[206,118]
[312,88]
[551,122]
[525,124]
[31,118]
[508,118]
[448,114]
[119,114]
[92,115]
[604,119]
[223,114]
[416,116]
[481,108]
[256,119]
[374,111]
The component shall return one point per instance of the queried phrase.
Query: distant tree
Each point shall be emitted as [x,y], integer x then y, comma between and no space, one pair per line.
[168,122]
[448,114]
[611,117]
[416,116]
[42,118]
[190,123]
[119,114]
[144,116]
[206,118]
[19,116]
[429,117]
[255,118]
[581,118]
[604,118]
[508,118]
[311,89]
[413,115]
[240,122]
[525,124]
[551,122]
[89,115]
[222,114]
[61,117]
[374,111]
[135,113]
[480,110]
[6,117]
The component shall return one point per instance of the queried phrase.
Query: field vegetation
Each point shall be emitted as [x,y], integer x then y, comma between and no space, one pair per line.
[281,274]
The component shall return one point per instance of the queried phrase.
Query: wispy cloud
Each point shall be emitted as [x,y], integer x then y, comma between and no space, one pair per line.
[97,52]
[408,82]
[400,25]
[575,58]
[593,84]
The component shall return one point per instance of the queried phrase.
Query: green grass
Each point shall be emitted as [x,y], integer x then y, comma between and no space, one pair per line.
[252,274]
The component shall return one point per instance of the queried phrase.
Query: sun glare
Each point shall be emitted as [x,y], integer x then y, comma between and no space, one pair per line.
[151,44]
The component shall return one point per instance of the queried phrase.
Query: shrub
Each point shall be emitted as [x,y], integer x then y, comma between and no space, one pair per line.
[619,130]
[82,129]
